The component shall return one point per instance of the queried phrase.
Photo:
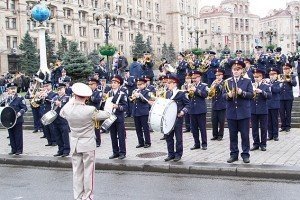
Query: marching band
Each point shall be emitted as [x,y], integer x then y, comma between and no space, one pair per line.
[247,92]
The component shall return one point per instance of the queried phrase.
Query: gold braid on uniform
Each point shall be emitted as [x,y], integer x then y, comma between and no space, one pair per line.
[97,124]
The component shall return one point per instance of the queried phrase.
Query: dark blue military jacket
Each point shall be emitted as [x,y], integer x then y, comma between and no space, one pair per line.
[213,66]
[141,107]
[286,92]
[123,104]
[182,69]
[95,99]
[218,102]
[197,101]
[48,101]
[63,99]
[238,107]
[274,102]
[259,102]
[19,105]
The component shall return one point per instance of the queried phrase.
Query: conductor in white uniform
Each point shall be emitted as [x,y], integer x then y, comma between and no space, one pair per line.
[81,119]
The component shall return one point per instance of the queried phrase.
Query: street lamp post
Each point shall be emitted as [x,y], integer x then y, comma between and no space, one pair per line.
[110,20]
[271,33]
[198,33]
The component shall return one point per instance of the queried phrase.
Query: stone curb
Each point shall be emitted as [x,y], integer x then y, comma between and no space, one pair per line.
[215,169]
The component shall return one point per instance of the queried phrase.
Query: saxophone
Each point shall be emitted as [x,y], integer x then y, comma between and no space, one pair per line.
[35,98]
[213,89]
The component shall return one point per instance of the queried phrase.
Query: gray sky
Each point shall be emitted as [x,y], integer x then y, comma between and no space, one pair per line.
[258,7]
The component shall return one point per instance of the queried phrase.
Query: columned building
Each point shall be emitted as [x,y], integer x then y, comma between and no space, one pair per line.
[281,28]
[75,20]
[229,25]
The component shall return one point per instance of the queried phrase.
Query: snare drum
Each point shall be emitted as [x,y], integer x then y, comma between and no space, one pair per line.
[49,117]
[163,115]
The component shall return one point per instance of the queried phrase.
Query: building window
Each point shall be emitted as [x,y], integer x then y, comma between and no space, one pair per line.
[11,23]
[156,7]
[158,40]
[139,2]
[15,42]
[121,48]
[67,29]
[67,13]
[205,21]
[148,5]
[83,46]
[7,23]
[120,36]
[96,46]
[288,46]
[107,5]
[12,4]
[8,42]
[82,31]
[52,28]
[131,37]
[205,41]
[82,16]
[96,33]
[140,14]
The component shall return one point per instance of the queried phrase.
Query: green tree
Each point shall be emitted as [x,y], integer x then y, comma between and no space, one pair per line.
[139,46]
[76,63]
[172,53]
[148,46]
[165,51]
[29,58]
[62,47]
[50,49]
[94,57]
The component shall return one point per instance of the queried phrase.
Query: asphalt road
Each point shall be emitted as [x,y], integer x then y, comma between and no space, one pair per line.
[41,183]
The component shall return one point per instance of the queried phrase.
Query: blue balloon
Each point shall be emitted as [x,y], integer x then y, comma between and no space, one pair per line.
[40,13]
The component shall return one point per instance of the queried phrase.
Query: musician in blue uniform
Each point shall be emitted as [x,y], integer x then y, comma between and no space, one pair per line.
[140,113]
[117,129]
[149,86]
[270,61]
[129,83]
[60,125]
[95,100]
[280,59]
[47,95]
[147,66]
[273,105]
[239,55]
[218,106]
[182,108]
[213,65]
[198,110]
[286,97]
[259,111]
[195,64]
[68,88]
[16,132]
[225,64]
[238,93]
[182,69]
[248,71]
[260,60]
[187,117]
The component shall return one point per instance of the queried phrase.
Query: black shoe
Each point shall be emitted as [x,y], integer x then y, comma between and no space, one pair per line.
[168,158]
[139,146]
[58,154]
[11,153]
[214,138]
[246,160]
[48,145]
[187,131]
[276,139]
[176,159]
[18,153]
[65,155]
[121,157]
[147,145]
[98,144]
[35,131]
[163,138]
[281,130]
[7,137]
[232,159]
[270,139]
[220,138]
[53,144]
[204,148]
[254,148]
[113,156]
[195,147]
[263,148]
[288,130]
[43,137]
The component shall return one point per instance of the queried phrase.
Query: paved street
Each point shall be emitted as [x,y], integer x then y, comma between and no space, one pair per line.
[48,184]
[285,152]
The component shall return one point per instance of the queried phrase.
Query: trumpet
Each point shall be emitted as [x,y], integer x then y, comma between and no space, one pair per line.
[223,62]
[277,58]
[133,97]
[190,89]
[255,86]
[213,89]
[205,65]
[285,78]
[228,90]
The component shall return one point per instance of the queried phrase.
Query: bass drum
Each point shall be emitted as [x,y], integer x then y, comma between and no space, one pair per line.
[48,117]
[163,115]
[8,117]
